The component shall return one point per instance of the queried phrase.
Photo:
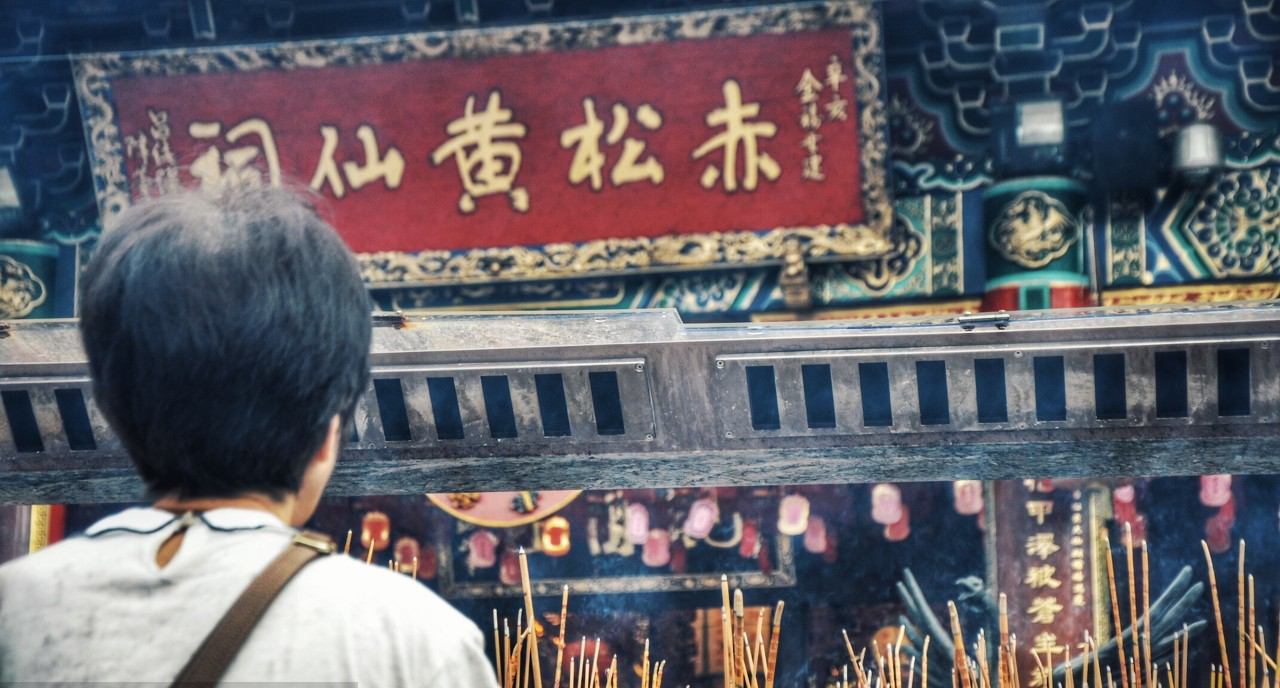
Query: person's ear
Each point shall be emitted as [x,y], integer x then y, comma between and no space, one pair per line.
[316,476]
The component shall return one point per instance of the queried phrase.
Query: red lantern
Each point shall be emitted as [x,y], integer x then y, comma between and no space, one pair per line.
[375,531]
[555,536]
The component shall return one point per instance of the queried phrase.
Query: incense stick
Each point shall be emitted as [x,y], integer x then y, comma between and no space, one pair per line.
[528,611]
[726,632]
[1133,608]
[564,621]
[497,649]
[1217,615]
[957,637]
[736,627]
[771,668]
[506,648]
[1115,615]
[1146,617]
[1186,652]
[1240,613]
[1253,657]
[346,549]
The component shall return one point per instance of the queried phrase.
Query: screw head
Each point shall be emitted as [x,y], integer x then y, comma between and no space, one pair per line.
[639,367]
[1017,354]
[719,364]
[728,434]
[648,438]
[1266,345]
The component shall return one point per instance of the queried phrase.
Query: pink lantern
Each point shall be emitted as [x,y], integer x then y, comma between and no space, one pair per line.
[815,536]
[886,504]
[1215,490]
[637,524]
[657,548]
[703,515]
[793,515]
[968,497]
[482,550]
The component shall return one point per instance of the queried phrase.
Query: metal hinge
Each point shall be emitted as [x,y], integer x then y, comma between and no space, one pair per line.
[971,320]
[395,319]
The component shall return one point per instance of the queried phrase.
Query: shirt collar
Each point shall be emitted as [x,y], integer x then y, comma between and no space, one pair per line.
[150,519]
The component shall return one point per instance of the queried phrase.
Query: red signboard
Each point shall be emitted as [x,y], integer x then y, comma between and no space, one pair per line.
[684,140]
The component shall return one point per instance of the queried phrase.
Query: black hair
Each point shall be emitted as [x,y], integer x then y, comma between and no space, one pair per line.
[223,333]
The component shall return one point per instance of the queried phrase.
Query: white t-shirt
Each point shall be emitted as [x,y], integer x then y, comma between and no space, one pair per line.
[98,608]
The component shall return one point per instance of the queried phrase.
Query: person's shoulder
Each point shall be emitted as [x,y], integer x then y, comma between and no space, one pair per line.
[46,562]
[383,596]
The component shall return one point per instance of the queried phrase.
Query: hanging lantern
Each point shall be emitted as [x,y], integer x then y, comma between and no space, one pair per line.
[886,504]
[637,524]
[406,550]
[657,548]
[968,497]
[1215,490]
[482,550]
[1217,530]
[703,515]
[555,536]
[793,515]
[375,531]
[1124,505]
[815,536]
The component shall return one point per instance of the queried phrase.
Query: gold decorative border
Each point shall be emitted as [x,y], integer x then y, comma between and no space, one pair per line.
[94,73]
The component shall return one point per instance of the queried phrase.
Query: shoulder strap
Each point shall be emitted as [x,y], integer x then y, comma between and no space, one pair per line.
[206,666]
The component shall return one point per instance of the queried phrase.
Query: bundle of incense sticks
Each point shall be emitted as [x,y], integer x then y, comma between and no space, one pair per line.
[745,663]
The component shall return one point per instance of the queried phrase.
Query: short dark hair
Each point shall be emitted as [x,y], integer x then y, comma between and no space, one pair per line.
[223,333]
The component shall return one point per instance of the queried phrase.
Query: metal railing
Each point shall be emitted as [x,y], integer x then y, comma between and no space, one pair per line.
[592,400]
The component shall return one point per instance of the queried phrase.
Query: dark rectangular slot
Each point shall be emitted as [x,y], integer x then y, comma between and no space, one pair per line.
[552,405]
[22,420]
[1109,400]
[1171,384]
[75,419]
[819,399]
[989,387]
[762,395]
[497,406]
[444,408]
[395,420]
[607,402]
[1233,382]
[1051,388]
[873,379]
[354,437]
[931,387]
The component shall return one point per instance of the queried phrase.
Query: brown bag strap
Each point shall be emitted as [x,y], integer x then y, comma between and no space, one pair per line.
[206,666]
